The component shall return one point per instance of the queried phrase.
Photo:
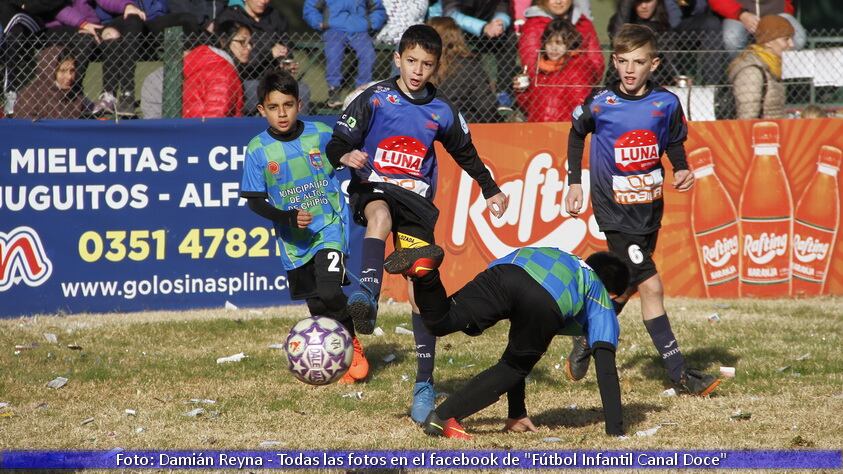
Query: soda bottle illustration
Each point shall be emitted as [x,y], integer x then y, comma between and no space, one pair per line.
[765,212]
[815,226]
[714,222]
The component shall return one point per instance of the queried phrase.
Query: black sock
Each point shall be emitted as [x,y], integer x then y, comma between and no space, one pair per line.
[425,350]
[665,342]
[371,267]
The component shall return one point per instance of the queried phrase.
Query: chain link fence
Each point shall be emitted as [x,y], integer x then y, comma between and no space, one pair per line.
[172,75]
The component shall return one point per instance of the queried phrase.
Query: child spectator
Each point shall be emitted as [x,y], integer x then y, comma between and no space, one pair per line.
[459,76]
[741,19]
[562,78]
[212,86]
[52,93]
[540,15]
[345,23]
[756,74]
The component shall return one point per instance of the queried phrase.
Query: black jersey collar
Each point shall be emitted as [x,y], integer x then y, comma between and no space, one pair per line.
[616,88]
[431,93]
[289,136]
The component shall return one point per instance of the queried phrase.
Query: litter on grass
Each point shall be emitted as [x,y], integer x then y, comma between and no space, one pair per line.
[194,413]
[378,332]
[57,382]
[232,358]
[389,358]
[405,331]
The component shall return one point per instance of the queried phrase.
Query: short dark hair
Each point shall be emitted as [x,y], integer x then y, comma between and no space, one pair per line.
[633,36]
[226,30]
[279,81]
[424,36]
[611,270]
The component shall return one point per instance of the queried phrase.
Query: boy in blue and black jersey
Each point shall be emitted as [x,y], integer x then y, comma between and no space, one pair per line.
[386,135]
[633,123]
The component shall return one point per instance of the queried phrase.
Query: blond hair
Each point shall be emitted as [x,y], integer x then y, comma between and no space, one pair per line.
[453,46]
[631,37]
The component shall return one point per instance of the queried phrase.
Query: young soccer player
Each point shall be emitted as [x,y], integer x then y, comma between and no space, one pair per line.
[287,180]
[386,135]
[633,122]
[542,292]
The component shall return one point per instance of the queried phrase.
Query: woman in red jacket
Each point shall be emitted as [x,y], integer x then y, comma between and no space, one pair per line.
[537,18]
[562,78]
[212,85]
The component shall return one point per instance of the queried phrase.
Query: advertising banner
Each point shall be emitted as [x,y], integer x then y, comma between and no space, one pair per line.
[762,219]
[98,216]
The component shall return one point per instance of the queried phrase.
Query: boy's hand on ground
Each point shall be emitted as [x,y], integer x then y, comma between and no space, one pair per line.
[573,201]
[303,218]
[683,180]
[355,159]
[520,425]
[497,204]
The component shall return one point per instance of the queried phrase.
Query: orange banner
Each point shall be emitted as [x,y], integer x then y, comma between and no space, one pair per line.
[762,219]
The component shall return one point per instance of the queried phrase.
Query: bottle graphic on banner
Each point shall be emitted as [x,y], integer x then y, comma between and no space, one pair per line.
[714,223]
[815,225]
[765,211]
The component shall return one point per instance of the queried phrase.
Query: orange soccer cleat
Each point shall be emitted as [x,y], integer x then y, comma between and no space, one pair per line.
[359,369]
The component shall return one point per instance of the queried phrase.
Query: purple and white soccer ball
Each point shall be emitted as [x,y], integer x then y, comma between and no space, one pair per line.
[319,350]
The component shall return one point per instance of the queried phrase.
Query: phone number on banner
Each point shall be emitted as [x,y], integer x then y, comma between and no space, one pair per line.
[140,245]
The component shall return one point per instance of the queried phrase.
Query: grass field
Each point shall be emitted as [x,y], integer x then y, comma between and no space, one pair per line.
[787,354]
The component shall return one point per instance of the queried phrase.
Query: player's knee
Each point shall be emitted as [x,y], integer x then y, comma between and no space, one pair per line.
[520,365]
[651,288]
[377,216]
[332,297]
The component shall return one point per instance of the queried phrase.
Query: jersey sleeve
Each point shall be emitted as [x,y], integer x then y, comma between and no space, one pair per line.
[253,183]
[677,134]
[601,319]
[353,124]
[455,135]
[582,123]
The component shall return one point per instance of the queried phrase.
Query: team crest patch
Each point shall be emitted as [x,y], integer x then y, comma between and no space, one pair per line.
[315,158]
[611,100]
[273,167]
[393,99]
[658,103]
[435,117]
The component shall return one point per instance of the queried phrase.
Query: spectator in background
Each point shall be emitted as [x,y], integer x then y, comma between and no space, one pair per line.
[574,11]
[563,78]
[756,73]
[698,31]
[458,76]
[204,12]
[269,41]
[400,15]
[158,17]
[518,9]
[52,93]
[488,22]
[345,23]
[741,19]
[212,85]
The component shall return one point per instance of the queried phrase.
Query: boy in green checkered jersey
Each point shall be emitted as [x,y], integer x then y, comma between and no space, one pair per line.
[543,292]
[287,180]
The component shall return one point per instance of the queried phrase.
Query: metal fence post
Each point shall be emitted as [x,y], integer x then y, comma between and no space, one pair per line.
[172,58]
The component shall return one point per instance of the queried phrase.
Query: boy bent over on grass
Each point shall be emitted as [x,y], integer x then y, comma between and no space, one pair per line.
[287,180]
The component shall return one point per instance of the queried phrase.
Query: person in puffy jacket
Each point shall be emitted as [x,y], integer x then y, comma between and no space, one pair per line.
[542,13]
[52,94]
[345,23]
[212,85]
[562,78]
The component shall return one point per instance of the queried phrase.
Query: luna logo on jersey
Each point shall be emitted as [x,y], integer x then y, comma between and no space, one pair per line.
[636,150]
[400,155]
[23,259]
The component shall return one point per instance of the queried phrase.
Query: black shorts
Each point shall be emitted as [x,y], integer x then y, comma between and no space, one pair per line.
[413,216]
[509,292]
[327,267]
[636,251]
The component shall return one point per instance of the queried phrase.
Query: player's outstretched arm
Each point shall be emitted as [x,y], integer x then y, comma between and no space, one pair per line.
[497,204]
[573,200]
[291,218]
[610,390]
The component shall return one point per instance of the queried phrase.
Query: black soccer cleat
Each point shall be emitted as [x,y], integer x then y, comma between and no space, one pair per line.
[414,262]
[696,382]
[363,310]
[576,365]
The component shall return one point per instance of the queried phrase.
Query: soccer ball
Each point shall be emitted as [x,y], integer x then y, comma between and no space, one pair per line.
[319,350]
